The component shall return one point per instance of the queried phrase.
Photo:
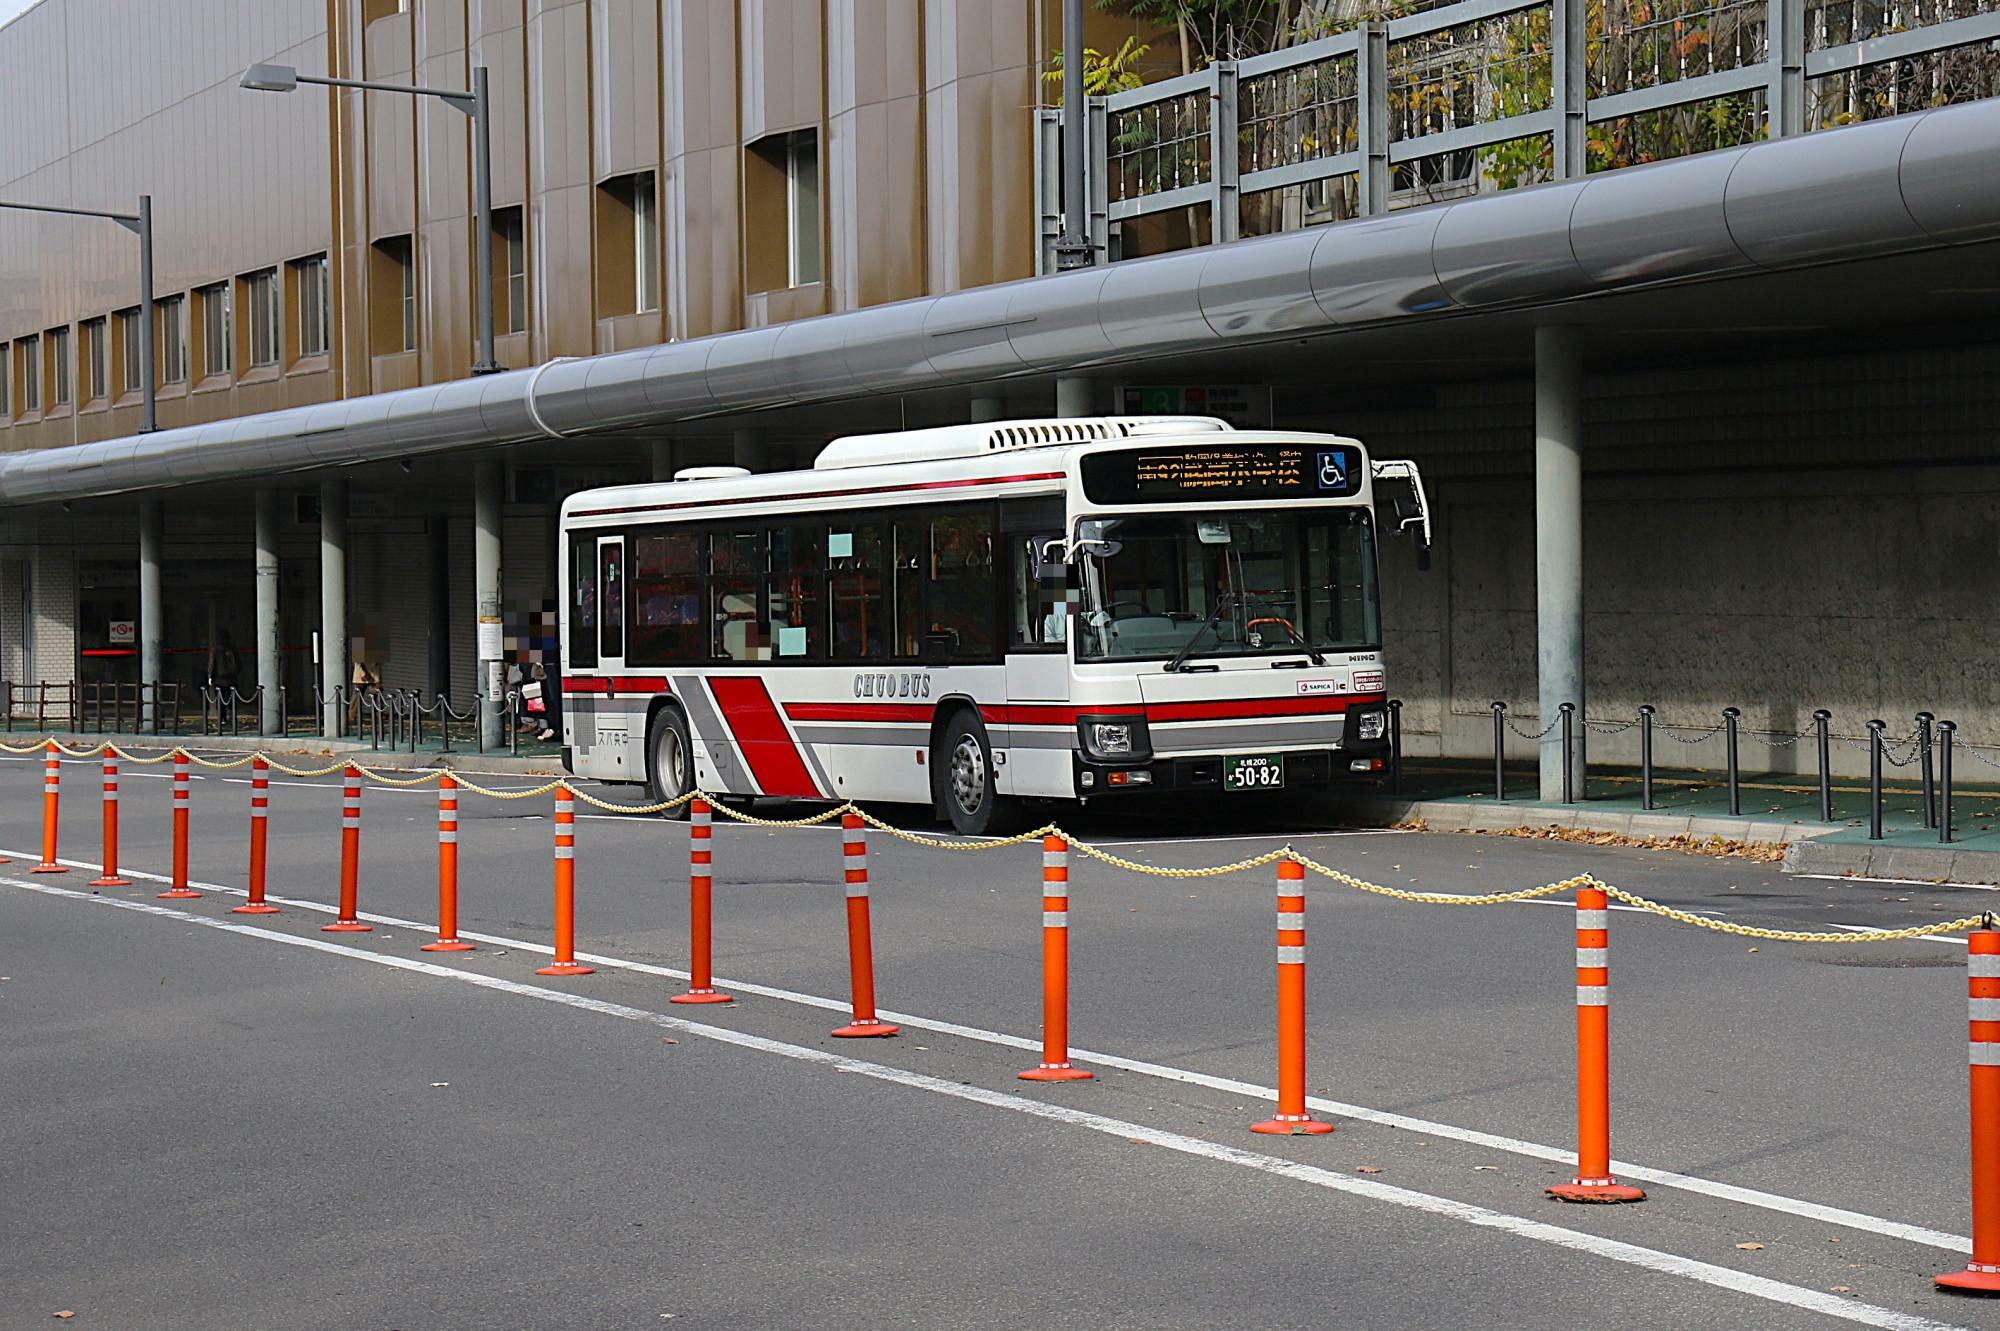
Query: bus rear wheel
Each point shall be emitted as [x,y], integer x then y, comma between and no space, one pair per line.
[966,773]
[669,761]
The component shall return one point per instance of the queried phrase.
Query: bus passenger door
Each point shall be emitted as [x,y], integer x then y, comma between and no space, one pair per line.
[1037,666]
[614,726]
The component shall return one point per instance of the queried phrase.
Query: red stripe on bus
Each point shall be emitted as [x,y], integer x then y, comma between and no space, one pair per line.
[859,711]
[818,494]
[587,684]
[1245,709]
[760,732]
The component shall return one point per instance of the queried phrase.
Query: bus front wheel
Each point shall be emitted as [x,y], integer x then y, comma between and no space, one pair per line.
[966,773]
[669,761]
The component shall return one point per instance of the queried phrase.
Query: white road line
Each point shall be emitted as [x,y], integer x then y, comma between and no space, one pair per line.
[1629,1254]
[1897,882]
[1666,1178]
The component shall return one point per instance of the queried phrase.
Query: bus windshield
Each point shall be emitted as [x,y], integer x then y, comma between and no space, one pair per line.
[1228,584]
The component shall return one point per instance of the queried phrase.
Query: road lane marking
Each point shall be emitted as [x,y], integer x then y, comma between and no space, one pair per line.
[1729,1192]
[1629,1254]
[1897,882]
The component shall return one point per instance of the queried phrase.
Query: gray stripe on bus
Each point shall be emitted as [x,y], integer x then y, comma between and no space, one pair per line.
[709,730]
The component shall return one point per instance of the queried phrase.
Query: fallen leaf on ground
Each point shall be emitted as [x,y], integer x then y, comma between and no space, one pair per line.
[668,1039]
[65,1314]
[436,1084]
[1839,1289]
[1368,1169]
[1486,1168]
[1753,949]
[1749,1247]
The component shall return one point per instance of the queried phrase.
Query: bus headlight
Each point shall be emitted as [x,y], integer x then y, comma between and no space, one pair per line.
[1114,737]
[1371,725]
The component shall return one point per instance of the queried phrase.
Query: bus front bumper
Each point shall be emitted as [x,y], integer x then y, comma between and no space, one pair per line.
[1304,769]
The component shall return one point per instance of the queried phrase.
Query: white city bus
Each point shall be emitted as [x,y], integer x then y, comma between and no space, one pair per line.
[982,616]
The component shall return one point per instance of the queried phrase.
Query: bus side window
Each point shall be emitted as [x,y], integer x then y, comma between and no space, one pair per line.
[861,622]
[1040,610]
[794,592]
[964,589]
[664,621]
[583,600]
[735,624]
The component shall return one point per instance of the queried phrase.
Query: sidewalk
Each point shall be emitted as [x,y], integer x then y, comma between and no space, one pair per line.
[533,759]
[1777,809]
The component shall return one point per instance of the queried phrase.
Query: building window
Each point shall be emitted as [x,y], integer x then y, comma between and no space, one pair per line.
[59,380]
[173,339]
[217,335]
[6,364]
[125,340]
[628,246]
[31,374]
[311,286]
[392,296]
[510,270]
[260,301]
[96,360]
[781,189]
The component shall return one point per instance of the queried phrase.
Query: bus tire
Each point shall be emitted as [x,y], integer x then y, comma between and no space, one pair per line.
[669,760]
[966,772]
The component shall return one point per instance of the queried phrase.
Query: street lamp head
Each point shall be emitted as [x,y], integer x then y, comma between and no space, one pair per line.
[270,78]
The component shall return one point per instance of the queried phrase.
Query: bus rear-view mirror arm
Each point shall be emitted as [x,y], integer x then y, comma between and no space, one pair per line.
[1412,517]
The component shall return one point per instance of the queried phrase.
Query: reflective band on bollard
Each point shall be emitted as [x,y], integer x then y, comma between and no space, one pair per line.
[447,939]
[860,945]
[1593,1181]
[1982,987]
[51,812]
[260,811]
[701,833]
[565,962]
[110,877]
[350,857]
[1291,1118]
[1055,1064]
[180,889]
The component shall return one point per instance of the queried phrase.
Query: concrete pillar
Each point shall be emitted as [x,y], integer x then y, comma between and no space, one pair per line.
[989,407]
[1076,396]
[332,603]
[486,493]
[1559,546]
[270,665]
[152,539]
[749,450]
[663,459]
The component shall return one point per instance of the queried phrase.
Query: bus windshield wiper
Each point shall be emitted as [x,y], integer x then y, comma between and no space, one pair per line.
[1304,643]
[1222,603]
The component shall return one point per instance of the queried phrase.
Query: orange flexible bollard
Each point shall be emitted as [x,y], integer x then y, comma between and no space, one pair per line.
[1982,986]
[51,812]
[350,858]
[1292,1118]
[1593,1181]
[180,891]
[860,945]
[260,810]
[565,962]
[447,939]
[110,878]
[701,832]
[1055,1065]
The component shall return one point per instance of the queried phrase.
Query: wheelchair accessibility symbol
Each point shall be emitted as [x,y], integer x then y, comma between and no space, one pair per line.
[1332,476]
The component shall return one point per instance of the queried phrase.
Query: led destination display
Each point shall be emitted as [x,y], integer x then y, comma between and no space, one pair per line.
[1187,474]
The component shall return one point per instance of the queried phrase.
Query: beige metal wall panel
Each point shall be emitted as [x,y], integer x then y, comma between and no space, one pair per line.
[504,52]
[980,71]
[349,170]
[625,87]
[561,318]
[780,56]
[875,151]
[444,196]
[701,169]
[390,124]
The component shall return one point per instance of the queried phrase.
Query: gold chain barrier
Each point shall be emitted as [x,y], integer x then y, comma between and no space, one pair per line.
[1098,853]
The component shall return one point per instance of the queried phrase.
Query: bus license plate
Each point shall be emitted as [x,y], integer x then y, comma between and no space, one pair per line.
[1254,771]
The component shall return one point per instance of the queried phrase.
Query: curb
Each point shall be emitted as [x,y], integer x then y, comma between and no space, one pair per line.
[459,760]
[1490,816]
[1868,860]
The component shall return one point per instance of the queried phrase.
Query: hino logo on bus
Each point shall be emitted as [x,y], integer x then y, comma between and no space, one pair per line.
[891,684]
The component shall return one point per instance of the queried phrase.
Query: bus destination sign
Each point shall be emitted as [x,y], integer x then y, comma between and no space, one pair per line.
[1191,473]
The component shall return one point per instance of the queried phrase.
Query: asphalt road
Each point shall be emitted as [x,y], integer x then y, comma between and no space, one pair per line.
[218,1121]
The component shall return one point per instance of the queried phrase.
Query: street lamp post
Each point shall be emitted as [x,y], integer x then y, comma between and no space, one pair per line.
[1073,247]
[284,78]
[139,224]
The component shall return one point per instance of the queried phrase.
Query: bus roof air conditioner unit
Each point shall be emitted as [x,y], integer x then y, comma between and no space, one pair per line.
[710,473]
[969,441]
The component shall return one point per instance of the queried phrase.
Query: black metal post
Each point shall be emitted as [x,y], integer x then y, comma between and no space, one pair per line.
[1875,780]
[1569,752]
[479,706]
[1729,719]
[1946,729]
[1924,720]
[1646,756]
[1395,746]
[1820,719]
[444,724]
[514,722]
[1499,743]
